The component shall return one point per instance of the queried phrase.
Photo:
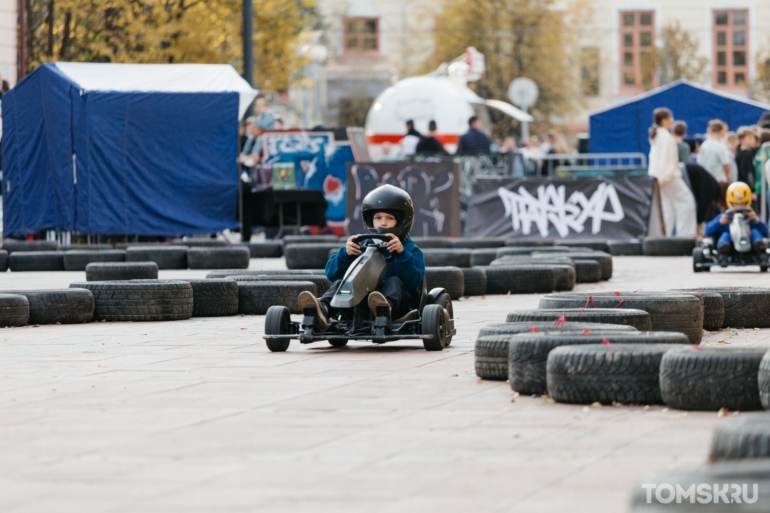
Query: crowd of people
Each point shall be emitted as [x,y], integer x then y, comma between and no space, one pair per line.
[694,174]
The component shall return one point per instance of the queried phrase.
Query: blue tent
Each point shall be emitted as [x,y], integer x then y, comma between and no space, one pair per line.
[623,127]
[145,149]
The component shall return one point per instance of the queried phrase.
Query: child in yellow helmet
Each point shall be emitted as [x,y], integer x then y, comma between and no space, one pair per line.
[738,195]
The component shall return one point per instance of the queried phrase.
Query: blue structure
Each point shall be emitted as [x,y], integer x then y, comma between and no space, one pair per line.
[624,127]
[122,149]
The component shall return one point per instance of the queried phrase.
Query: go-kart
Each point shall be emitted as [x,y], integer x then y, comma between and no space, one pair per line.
[741,254]
[430,318]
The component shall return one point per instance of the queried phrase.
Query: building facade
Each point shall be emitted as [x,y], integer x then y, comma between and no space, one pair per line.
[8,40]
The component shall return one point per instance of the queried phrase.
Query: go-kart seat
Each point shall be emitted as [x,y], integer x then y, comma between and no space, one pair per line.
[417,303]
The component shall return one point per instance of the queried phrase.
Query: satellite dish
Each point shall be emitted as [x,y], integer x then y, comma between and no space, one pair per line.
[523,92]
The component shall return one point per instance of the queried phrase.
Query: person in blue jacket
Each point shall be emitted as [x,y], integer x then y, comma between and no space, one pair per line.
[738,195]
[387,210]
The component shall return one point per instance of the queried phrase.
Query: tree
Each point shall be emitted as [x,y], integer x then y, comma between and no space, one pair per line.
[761,86]
[170,31]
[675,57]
[519,38]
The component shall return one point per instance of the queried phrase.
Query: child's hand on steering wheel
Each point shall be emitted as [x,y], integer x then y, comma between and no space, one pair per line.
[395,246]
[753,216]
[352,248]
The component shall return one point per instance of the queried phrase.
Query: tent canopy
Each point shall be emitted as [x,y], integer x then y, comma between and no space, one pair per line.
[122,149]
[624,127]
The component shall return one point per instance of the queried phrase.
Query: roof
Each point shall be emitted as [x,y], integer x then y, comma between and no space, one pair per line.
[167,78]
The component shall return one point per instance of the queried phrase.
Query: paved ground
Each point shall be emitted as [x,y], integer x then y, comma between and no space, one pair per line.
[197,416]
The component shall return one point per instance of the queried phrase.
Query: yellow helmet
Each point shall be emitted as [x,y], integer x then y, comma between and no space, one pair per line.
[738,195]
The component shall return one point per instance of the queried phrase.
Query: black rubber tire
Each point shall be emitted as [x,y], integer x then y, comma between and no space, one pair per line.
[565,269]
[447,257]
[556,258]
[277,322]
[668,312]
[3,260]
[483,257]
[713,308]
[433,323]
[246,272]
[121,271]
[638,319]
[77,260]
[218,258]
[744,307]
[312,239]
[625,248]
[266,249]
[14,310]
[214,298]
[528,352]
[604,260]
[764,381]
[560,250]
[514,328]
[474,281]
[711,378]
[445,301]
[478,242]
[490,357]
[520,280]
[730,474]
[338,343]
[743,437]
[200,243]
[587,271]
[140,300]
[433,242]
[308,255]
[62,306]
[593,244]
[322,283]
[25,261]
[622,373]
[167,257]
[87,247]
[491,349]
[668,246]
[256,297]
[517,243]
[36,246]
[450,278]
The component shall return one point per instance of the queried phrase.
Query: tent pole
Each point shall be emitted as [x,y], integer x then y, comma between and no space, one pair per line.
[248,46]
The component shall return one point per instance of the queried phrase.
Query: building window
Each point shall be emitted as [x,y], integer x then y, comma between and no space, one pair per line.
[731,50]
[361,35]
[589,70]
[637,36]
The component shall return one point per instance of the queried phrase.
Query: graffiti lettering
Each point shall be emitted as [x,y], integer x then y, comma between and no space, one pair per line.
[550,206]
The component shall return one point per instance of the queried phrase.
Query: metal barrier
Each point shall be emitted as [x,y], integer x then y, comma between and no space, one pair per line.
[552,163]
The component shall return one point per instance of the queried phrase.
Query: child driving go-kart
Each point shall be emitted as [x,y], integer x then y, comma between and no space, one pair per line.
[379,290]
[387,210]
[720,228]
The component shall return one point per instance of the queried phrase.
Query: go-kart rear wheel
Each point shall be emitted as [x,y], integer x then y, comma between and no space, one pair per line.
[434,323]
[697,258]
[763,268]
[338,343]
[277,322]
[446,303]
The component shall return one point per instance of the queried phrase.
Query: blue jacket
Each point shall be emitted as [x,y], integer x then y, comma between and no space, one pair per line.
[473,142]
[409,265]
[715,229]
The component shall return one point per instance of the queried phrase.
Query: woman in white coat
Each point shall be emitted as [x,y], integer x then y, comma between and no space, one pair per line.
[676,199]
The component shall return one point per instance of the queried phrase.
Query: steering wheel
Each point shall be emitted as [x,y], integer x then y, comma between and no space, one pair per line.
[736,210]
[376,236]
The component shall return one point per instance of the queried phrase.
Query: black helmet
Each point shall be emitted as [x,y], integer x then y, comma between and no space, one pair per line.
[392,200]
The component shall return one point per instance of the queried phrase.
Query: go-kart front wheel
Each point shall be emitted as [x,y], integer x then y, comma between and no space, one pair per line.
[338,343]
[277,322]
[445,301]
[434,323]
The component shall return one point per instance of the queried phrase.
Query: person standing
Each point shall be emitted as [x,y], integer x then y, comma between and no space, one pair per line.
[713,154]
[744,157]
[410,140]
[676,199]
[474,141]
[679,130]
[430,145]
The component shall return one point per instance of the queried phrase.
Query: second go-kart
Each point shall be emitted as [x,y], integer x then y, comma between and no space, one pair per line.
[430,317]
[741,253]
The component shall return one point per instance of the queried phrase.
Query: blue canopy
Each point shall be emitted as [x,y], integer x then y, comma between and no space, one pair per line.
[624,127]
[80,152]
